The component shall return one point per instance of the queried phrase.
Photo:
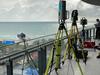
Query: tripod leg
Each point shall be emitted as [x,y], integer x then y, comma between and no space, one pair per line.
[65,54]
[52,60]
[68,45]
[81,44]
[58,50]
[25,55]
[69,42]
[77,62]
[51,56]
[49,62]
[32,64]
[23,64]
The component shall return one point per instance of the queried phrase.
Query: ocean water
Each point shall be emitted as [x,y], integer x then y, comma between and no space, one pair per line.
[9,30]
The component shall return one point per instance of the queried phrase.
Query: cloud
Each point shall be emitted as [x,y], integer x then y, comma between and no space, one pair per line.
[88,10]
[38,10]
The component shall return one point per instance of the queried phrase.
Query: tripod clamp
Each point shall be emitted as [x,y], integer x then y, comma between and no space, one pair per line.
[61,26]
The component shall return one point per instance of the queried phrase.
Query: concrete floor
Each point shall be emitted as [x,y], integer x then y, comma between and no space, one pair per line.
[91,68]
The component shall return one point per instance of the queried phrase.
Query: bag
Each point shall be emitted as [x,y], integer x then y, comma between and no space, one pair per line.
[79,54]
[89,44]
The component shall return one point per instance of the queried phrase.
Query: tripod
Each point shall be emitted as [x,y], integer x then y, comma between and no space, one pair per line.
[56,49]
[71,47]
[28,61]
[83,22]
[27,55]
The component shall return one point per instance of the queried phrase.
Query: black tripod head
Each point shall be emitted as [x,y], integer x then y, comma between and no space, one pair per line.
[74,16]
[21,36]
[83,21]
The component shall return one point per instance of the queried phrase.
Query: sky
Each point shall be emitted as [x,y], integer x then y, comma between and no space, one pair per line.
[42,10]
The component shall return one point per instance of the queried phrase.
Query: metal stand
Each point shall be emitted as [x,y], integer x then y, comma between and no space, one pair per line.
[42,60]
[9,65]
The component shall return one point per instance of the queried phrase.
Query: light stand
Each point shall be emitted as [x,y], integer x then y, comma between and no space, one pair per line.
[83,22]
[22,37]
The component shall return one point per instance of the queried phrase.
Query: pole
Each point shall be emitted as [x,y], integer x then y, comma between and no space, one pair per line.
[42,60]
[9,65]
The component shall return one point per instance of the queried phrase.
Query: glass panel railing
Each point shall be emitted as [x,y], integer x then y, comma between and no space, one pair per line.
[3,70]
[26,65]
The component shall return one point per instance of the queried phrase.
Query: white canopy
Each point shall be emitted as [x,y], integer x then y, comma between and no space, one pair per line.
[94,2]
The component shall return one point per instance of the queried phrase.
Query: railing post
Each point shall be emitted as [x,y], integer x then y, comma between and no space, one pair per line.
[87,34]
[94,33]
[83,33]
[90,34]
[9,65]
[42,60]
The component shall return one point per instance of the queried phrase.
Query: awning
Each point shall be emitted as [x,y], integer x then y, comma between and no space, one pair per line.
[93,2]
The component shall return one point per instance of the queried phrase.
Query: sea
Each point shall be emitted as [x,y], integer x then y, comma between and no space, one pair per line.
[31,29]
[10,30]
